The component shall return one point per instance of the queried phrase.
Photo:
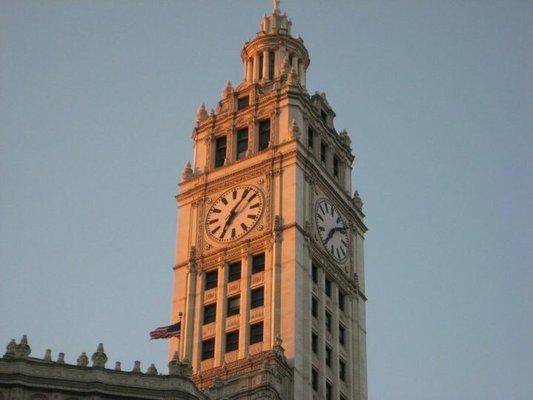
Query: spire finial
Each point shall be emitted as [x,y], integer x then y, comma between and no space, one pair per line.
[276,6]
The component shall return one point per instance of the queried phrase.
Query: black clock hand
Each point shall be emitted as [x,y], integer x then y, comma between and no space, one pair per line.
[340,229]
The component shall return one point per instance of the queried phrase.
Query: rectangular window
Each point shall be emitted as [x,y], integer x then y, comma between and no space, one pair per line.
[310,137]
[342,370]
[220,151]
[314,273]
[243,102]
[314,307]
[264,134]
[232,341]
[210,313]
[258,297]
[341,300]
[323,149]
[211,279]
[314,379]
[234,271]
[342,335]
[242,143]
[329,391]
[314,342]
[261,60]
[256,333]
[327,286]
[328,321]
[258,263]
[328,356]
[208,349]
[271,63]
[335,167]
[233,306]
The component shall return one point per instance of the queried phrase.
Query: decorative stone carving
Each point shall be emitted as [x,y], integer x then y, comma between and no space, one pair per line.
[278,228]
[23,349]
[82,360]
[99,357]
[47,355]
[11,348]
[345,139]
[294,130]
[118,366]
[201,114]
[357,200]
[187,172]
[152,370]
[136,367]
[228,90]
[176,367]
[61,358]
[292,78]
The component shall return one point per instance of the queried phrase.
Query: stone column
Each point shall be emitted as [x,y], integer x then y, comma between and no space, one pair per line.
[188,327]
[221,314]
[265,64]
[249,70]
[269,303]
[322,331]
[197,335]
[256,68]
[245,304]
[301,73]
[335,345]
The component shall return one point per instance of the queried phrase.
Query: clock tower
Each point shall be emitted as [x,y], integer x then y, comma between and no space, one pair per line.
[269,271]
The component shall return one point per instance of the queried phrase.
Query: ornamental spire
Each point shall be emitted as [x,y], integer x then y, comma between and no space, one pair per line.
[276,9]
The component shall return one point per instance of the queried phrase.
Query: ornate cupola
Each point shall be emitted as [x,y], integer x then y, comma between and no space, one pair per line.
[274,52]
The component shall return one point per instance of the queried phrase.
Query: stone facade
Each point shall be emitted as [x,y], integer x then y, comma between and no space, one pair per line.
[23,377]
[253,269]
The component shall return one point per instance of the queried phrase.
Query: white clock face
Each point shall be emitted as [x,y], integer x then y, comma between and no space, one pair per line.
[235,213]
[332,229]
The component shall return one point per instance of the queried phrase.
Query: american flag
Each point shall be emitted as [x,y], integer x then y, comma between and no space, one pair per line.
[165,332]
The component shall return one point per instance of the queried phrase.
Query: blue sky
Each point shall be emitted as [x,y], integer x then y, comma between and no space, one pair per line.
[97,105]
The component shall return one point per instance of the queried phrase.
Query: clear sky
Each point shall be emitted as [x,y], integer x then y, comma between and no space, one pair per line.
[97,105]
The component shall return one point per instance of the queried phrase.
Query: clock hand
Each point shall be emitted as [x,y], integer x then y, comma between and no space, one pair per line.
[332,232]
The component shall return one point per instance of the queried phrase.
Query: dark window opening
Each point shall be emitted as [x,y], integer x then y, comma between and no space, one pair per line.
[327,286]
[324,116]
[256,333]
[314,342]
[342,370]
[314,307]
[258,263]
[342,335]
[243,102]
[242,143]
[220,151]
[310,137]
[323,149]
[211,279]
[314,273]
[264,134]
[329,391]
[210,313]
[314,379]
[233,306]
[336,167]
[232,341]
[261,66]
[258,297]
[208,349]
[341,300]
[234,273]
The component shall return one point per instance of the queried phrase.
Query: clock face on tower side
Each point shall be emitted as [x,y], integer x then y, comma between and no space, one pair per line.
[234,213]
[332,229]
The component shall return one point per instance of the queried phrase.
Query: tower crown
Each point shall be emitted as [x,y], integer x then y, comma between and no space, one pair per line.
[274,51]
